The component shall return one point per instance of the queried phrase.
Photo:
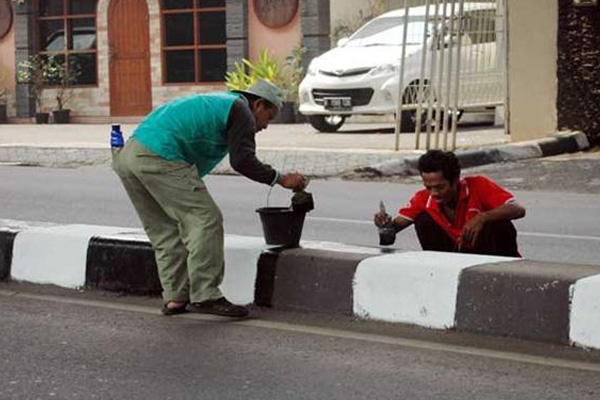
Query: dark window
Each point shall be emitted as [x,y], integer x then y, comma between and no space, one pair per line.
[211,27]
[213,64]
[52,35]
[194,40]
[211,3]
[67,30]
[177,4]
[180,66]
[82,7]
[49,8]
[85,65]
[179,29]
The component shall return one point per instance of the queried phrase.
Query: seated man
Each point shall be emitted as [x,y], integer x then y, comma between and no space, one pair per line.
[469,215]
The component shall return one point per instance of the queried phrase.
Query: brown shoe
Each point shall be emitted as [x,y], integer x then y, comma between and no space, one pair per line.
[219,306]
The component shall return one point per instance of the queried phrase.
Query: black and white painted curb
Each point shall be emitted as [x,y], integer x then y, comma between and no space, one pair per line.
[560,143]
[551,302]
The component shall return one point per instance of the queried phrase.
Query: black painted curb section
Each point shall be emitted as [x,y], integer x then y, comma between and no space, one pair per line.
[265,277]
[525,299]
[309,280]
[7,238]
[474,158]
[558,145]
[121,266]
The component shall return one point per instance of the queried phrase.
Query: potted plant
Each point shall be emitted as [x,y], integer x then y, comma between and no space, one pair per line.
[61,80]
[266,67]
[33,72]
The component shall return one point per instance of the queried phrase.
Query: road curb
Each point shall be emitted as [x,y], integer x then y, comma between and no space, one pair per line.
[560,143]
[501,296]
[525,299]
[326,283]
[6,245]
[317,162]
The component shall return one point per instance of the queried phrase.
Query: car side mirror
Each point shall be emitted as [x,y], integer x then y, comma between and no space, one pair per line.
[342,41]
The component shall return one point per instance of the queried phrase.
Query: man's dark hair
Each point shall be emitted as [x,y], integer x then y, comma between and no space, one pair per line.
[437,160]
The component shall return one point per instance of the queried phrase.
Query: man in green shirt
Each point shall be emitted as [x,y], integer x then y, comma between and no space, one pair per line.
[161,167]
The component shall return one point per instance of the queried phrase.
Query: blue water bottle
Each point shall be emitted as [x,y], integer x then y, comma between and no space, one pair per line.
[116,139]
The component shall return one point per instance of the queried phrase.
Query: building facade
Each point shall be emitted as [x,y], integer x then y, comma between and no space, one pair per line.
[137,54]
[131,55]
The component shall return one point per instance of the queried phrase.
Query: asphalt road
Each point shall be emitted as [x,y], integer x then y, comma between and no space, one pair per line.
[75,348]
[559,226]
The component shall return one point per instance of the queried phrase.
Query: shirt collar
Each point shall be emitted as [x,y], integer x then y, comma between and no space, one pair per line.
[463,195]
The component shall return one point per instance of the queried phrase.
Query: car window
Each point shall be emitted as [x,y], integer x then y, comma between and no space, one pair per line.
[388,32]
[56,42]
[480,26]
[82,40]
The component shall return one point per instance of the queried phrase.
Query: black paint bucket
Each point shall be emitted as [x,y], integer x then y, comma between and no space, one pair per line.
[281,225]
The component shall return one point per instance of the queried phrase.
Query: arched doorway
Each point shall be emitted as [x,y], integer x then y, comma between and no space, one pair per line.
[129,58]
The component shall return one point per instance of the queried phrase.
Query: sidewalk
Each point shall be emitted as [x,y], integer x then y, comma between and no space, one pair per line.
[362,147]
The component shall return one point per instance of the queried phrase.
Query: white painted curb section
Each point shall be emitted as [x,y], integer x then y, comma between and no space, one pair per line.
[413,287]
[241,264]
[584,327]
[55,255]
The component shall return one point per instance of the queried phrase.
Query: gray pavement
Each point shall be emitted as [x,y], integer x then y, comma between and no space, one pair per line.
[286,147]
[553,230]
[57,345]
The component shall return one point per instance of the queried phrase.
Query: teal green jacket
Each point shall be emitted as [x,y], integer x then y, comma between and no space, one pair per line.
[190,129]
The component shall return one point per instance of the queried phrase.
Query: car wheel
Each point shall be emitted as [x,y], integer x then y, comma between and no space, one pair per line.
[409,120]
[327,123]
[409,117]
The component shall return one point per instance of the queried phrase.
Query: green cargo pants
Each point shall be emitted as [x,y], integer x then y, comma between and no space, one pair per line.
[181,219]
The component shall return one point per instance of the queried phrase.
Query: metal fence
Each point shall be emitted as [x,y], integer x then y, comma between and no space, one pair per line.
[452,60]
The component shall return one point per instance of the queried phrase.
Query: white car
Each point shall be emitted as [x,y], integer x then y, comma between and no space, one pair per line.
[361,75]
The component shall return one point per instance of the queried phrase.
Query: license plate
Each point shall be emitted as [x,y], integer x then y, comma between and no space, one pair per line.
[337,103]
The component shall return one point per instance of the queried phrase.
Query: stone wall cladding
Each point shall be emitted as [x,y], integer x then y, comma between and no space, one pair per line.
[316,23]
[578,69]
[237,32]
[23,26]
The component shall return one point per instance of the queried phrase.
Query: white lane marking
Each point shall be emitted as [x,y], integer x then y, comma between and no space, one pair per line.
[342,220]
[329,332]
[557,236]
[534,234]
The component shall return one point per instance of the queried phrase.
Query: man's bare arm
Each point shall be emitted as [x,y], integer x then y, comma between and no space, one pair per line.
[506,212]
[382,219]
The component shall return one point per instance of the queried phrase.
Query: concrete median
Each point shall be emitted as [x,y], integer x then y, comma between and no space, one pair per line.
[503,296]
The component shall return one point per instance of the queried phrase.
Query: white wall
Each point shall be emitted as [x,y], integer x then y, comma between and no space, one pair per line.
[532,58]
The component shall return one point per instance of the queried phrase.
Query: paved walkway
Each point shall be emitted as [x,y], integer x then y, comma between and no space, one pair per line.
[286,147]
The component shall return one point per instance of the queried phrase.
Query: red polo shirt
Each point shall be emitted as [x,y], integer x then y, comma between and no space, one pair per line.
[478,193]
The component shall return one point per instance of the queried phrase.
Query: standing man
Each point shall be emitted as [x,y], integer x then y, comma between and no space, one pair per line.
[161,167]
[469,215]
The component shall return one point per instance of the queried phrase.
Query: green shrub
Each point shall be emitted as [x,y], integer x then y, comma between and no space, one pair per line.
[287,77]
